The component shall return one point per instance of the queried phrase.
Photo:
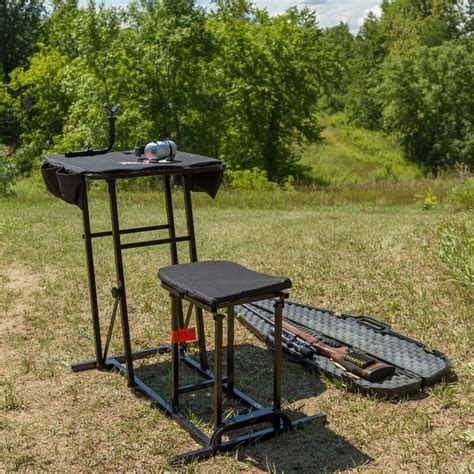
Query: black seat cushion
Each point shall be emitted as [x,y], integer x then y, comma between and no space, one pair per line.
[218,282]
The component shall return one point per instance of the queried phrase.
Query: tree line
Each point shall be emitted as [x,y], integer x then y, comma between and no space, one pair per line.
[235,82]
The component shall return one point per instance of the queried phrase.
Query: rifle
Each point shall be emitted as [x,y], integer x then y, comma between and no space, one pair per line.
[354,361]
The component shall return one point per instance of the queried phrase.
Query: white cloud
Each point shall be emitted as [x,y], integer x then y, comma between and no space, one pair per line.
[377,11]
[330,12]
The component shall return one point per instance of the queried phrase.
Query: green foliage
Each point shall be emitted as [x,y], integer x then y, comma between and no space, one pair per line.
[428,103]
[370,51]
[455,247]
[412,76]
[9,125]
[463,194]
[268,76]
[338,47]
[254,178]
[41,102]
[236,83]
[8,174]
[428,200]
[351,155]
[20,28]
[240,84]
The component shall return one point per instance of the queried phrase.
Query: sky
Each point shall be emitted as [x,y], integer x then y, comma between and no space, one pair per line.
[330,12]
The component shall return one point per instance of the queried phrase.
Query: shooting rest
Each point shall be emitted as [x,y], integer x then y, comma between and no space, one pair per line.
[66,178]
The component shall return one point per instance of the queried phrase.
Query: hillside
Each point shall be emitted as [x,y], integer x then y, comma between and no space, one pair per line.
[354,155]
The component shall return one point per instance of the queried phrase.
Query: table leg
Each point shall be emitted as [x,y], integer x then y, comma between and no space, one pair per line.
[92,283]
[172,235]
[127,346]
[170,217]
[188,207]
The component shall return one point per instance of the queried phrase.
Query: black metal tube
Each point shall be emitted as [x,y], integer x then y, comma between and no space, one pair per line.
[147,243]
[188,207]
[181,316]
[198,385]
[193,430]
[277,355]
[141,354]
[230,349]
[134,230]
[174,353]
[237,394]
[92,282]
[127,345]
[170,216]
[111,327]
[218,370]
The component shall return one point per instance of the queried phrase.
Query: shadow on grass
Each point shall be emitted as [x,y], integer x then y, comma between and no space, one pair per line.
[312,447]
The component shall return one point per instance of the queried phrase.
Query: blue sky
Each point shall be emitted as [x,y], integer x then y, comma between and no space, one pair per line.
[330,12]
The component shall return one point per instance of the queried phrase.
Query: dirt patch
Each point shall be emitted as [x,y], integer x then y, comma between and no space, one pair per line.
[19,286]
[20,277]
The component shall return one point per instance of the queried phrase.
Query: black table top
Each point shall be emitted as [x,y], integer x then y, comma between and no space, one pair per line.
[64,177]
[124,164]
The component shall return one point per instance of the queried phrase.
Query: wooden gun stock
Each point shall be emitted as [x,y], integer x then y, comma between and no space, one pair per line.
[357,362]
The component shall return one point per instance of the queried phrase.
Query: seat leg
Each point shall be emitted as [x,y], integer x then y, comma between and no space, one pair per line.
[201,338]
[230,349]
[218,370]
[277,356]
[175,324]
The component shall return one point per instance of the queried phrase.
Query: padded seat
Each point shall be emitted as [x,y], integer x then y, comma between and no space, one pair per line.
[219,282]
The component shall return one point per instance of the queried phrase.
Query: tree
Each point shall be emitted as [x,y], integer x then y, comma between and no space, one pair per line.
[237,83]
[170,49]
[20,28]
[338,45]
[267,75]
[40,103]
[428,103]
[370,51]
[403,26]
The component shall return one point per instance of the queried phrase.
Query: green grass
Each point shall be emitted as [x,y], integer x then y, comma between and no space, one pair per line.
[455,247]
[352,251]
[351,155]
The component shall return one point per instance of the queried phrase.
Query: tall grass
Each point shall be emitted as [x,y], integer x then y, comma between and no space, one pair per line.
[354,155]
[455,247]
[32,192]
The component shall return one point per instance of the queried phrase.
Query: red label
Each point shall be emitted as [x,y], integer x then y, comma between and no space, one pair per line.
[183,335]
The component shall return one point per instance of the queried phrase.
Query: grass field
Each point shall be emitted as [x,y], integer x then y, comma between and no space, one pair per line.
[367,250]
[351,155]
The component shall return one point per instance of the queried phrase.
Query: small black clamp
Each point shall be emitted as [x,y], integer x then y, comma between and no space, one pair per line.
[115,292]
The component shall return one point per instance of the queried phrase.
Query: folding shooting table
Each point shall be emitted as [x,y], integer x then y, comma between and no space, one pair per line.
[66,178]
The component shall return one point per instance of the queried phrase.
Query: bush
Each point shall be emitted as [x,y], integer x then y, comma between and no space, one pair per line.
[455,248]
[254,178]
[463,195]
[428,201]
[8,174]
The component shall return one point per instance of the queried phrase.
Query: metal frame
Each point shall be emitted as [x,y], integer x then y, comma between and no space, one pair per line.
[101,360]
[258,414]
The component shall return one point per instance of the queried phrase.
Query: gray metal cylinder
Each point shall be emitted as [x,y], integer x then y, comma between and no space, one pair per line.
[161,150]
